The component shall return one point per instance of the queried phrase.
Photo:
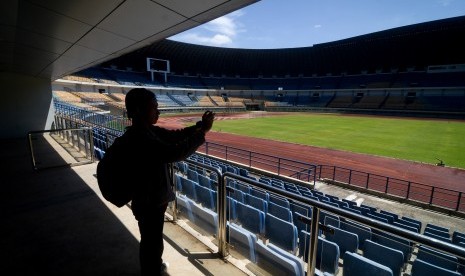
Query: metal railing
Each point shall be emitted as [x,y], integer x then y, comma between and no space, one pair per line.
[281,166]
[77,142]
[416,192]
[91,118]
[428,194]
[315,226]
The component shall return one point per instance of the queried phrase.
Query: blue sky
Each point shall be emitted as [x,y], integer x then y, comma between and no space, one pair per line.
[270,24]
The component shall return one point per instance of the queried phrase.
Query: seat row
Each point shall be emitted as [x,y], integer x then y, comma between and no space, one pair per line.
[251,208]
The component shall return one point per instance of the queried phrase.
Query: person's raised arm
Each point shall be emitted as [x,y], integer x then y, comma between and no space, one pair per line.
[207,121]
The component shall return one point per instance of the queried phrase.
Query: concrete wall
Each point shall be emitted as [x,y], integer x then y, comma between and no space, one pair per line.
[25,105]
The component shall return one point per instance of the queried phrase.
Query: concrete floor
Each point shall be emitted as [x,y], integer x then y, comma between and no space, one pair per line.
[55,222]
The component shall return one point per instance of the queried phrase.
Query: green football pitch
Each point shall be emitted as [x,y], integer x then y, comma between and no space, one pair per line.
[423,140]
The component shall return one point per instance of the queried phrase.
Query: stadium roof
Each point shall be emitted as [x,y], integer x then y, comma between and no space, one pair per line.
[50,39]
[405,48]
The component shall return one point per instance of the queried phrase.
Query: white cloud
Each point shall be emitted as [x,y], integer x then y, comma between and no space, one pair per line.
[317,26]
[218,32]
[445,2]
[223,25]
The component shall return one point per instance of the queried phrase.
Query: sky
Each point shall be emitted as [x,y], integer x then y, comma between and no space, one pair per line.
[273,24]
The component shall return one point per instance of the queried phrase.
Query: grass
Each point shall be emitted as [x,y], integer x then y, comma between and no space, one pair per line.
[402,138]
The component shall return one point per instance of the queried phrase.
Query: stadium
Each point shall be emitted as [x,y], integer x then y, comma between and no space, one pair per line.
[249,201]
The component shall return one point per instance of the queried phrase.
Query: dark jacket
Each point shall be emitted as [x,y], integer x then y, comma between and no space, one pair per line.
[151,150]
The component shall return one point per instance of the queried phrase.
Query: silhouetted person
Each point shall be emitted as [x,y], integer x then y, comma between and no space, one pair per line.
[152,149]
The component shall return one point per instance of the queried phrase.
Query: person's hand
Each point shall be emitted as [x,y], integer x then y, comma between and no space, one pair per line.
[207,121]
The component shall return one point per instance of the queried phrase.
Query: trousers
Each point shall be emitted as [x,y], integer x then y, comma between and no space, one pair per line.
[151,241]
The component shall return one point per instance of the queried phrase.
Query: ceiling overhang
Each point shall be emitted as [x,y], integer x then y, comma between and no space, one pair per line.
[54,38]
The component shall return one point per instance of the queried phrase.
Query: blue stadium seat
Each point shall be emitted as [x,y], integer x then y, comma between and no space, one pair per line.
[206,182]
[289,256]
[242,187]
[409,223]
[242,241]
[265,180]
[205,219]
[256,202]
[350,202]
[392,258]
[362,209]
[237,195]
[436,236]
[193,175]
[231,213]
[299,223]
[188,188]
[277,184]
[458,237]
[332,198]
[279,201]
[243,172]
[417,222]
[437,227]
[332,220]
[260,193]
[205,197]
[277,263]
[347,241]
[307,194]
[323,198]
[395,216]
[357,265]
[250,218]
[394,242]
[279,211]
[281,233]
[184,206]
[327,258]
[341,203]
[377,217]
[352,210]
[303,189]
[182,167]
[437,232]
[99,153]
[372,209]
[178,183]
[231,169]
[406,226]
[312,197]
[421,268]
[293,190]
[389,218]
[437,258]
[301,208]
[363,232]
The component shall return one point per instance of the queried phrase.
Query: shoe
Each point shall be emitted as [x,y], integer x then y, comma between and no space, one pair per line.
[164,267]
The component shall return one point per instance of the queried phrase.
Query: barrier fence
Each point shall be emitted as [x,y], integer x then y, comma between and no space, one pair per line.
[404,189]
[432,195]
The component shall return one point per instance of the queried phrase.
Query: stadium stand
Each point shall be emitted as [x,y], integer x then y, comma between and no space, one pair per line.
[271,231]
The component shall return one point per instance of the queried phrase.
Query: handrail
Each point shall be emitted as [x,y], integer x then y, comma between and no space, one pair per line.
[416,237]
[221,207]
[431,198]
[88,142]
[281,164]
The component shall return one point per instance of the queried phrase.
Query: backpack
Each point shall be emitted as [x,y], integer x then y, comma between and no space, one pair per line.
[113,174]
